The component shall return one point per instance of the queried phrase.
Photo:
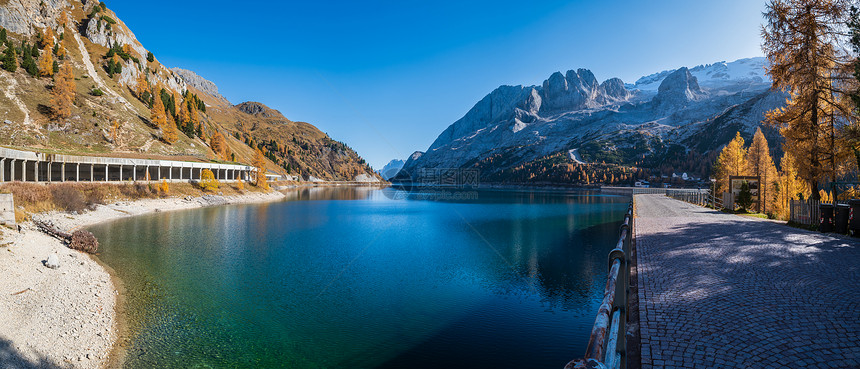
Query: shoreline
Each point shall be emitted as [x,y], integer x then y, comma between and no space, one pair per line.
[72,317]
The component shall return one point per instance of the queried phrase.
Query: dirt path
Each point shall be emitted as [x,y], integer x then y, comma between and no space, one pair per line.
[718,290]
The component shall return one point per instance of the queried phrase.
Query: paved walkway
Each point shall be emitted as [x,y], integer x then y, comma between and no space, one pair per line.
[719,290]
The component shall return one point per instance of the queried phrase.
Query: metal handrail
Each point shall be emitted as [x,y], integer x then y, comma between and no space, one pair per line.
[705,199]
[609,350]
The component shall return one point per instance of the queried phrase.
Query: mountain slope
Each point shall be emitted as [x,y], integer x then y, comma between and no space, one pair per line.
[117,81]
[674,118]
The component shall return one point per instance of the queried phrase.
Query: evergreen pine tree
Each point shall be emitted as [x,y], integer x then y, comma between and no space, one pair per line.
[10,60]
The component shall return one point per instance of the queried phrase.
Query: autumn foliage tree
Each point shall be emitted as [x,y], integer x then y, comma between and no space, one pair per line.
[208,181]
[731,162]
[219,145]
[170,132]
[801,39]
[760,163]
[789,186]
[157,114]
[46,62]
[260,164]
[141,85]
[63,93]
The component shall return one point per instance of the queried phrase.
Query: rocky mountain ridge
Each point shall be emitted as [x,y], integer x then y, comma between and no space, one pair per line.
[649,123]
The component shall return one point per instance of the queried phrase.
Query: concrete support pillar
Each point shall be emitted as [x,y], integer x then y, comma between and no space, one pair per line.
[24,171]
[159,172]
[170,173]
[120,174]
[77,172]
[12,170]
[50,168]
[107,173]
[63,172]
[2,170]
[134,173]
[92,172]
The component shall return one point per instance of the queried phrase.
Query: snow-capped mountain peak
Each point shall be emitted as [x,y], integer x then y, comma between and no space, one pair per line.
[717,76]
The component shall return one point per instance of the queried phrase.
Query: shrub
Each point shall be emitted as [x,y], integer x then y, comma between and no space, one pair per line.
[149,57]
[84,241]
[97,92]
[68,198]
[208,181]
[27,192]
[164,188]
[95,196]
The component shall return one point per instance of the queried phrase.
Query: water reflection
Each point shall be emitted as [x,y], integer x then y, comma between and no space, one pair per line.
[371,282]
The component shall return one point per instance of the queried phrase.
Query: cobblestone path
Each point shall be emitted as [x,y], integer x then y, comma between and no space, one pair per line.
[723,291]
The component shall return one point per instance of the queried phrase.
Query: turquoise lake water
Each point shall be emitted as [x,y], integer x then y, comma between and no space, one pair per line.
[366,278]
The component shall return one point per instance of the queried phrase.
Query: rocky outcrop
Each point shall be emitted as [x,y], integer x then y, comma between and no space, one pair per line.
[258,109]
[30,16]
[678,89]
[100,32]
[200,83]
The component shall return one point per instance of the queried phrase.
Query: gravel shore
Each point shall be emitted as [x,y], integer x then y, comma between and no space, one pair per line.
[66,317]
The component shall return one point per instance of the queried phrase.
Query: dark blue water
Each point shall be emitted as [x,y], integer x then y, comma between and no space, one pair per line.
[364,278]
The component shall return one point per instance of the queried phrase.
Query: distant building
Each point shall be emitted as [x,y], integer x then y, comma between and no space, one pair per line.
[642,184]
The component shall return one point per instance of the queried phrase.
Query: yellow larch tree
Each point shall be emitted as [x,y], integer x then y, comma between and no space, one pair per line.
[731,162]
[208,181]
[219,145]
[129,50]
[790,186]
[760,163]
[184,116]
[114,131]
[164,188]
[48,39]
[170,132]
[63,93]
[260,164]
[141,85]
[46,62]
[157,114]
[802,43]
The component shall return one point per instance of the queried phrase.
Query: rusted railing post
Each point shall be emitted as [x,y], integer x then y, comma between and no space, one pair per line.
[607,344]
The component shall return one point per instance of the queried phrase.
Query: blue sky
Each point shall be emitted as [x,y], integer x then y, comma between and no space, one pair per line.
[387,77]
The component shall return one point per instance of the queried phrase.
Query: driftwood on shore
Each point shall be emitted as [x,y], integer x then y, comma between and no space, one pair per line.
[79,240]
[53,231]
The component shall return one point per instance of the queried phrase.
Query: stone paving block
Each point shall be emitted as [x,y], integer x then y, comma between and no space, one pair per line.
[718,290]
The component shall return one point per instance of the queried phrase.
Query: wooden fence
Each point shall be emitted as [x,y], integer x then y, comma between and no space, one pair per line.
[805,212]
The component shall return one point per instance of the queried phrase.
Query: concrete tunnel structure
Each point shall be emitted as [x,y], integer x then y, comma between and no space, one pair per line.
[29,166]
